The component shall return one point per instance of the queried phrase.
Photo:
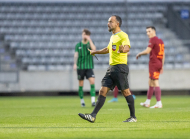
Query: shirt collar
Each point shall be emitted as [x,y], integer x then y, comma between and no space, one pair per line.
[117,32]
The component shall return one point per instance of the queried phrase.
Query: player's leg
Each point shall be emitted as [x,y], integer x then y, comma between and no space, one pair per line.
[115,94]
[151,87]
[157,94]
[121,80]
[130,101]
[149,94]
[155,77]
[132,94]
[80,74]
[92,90]
[107,84]
[130,91]
[90,76]
[81,93]
[100,102]
[116,91]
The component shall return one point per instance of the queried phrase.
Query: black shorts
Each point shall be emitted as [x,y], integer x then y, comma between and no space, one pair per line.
[85,73]
[116,75]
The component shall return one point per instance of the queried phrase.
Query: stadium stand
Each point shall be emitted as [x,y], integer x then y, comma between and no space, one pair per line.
[180,14]
[7,61]
[141,15]
[42,36]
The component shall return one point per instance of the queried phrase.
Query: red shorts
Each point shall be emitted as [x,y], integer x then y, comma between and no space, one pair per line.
[154,70]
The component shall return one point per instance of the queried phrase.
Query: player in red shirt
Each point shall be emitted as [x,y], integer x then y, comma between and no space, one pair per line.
[156,63]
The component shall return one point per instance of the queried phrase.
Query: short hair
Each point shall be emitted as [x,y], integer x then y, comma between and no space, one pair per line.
[118,18]
[86,31]
[152,27]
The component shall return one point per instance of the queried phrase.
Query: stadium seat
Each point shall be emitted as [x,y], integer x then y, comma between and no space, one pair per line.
[47,33]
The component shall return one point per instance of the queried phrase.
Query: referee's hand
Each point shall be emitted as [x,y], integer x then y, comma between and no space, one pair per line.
[92,52]
[121,47]
[138,55]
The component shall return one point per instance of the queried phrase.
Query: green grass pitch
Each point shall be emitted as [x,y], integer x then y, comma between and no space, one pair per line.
[57,118]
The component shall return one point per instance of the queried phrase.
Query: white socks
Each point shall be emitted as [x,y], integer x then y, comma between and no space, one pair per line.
[82,101]
[92,99]
[159,102]
[147,101]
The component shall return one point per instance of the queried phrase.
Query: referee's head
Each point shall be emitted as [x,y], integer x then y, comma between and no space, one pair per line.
[114,22]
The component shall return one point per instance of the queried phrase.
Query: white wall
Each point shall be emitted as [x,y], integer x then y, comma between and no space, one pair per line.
[67,81]
[169,80]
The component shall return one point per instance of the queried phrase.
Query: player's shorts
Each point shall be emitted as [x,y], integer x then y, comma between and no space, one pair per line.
[154,70]
[116,75]
[81,73]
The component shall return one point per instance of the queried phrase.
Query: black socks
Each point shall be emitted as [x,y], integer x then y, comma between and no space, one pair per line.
[130,101]
[99,104]
[101,100]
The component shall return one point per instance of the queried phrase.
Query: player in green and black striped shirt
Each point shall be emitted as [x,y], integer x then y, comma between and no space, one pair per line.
[84,64]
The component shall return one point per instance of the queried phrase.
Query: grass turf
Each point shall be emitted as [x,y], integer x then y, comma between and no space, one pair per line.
[56,117]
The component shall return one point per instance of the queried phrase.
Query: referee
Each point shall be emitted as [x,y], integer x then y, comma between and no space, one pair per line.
[84,64]
[118,70]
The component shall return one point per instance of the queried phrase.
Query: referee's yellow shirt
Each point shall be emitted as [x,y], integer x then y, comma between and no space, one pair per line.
[120,38]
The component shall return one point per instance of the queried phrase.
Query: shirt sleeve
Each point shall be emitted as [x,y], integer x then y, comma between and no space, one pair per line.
[151,43]
[109,45]
[76,48]
[125,41]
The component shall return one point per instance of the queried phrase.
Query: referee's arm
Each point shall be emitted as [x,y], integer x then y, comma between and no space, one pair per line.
[123,49]
[102,51]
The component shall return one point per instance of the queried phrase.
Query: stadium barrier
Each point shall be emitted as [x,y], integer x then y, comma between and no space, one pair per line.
[66,81]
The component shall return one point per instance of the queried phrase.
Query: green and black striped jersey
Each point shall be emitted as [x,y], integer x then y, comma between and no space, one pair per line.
[85,60]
